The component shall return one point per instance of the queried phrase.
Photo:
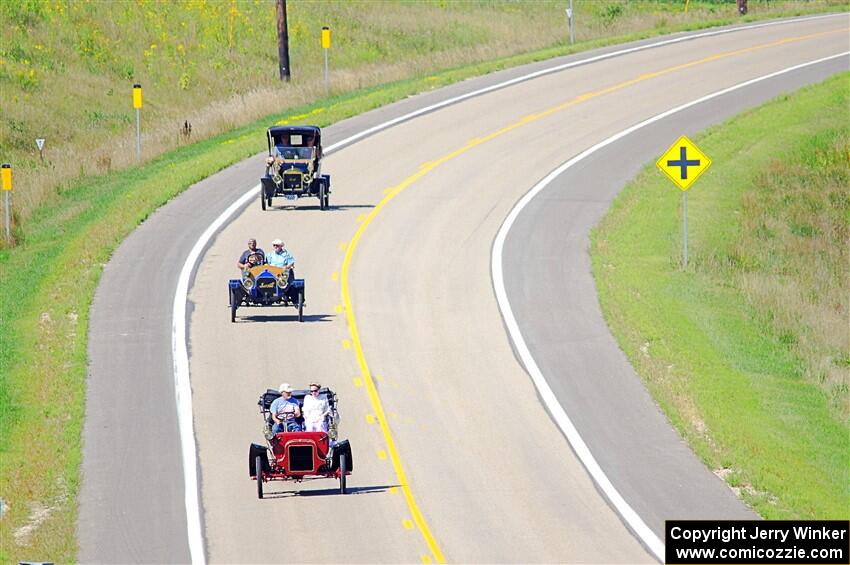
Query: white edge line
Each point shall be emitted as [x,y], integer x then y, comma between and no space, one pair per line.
[631,517]
[180,355]
[183,386]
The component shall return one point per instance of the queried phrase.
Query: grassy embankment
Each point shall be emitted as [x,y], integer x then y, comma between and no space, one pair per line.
[72,213]
[747,350]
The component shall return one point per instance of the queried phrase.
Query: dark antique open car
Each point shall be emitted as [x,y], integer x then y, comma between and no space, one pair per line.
[293,166]
[267,285]
[299,456]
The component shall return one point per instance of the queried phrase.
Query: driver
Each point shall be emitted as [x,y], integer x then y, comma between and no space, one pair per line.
[285,411]
[252,256]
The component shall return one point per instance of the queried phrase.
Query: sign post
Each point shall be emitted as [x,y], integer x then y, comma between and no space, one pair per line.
[326,45]
[6,179]
[39,142]
[137,104]
[570,18]
[683,163]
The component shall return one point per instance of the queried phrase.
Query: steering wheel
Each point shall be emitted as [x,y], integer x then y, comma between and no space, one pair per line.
[255,259]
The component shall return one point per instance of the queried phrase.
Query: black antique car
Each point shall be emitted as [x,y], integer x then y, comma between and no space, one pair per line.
[293,166]
[300,456]
[266,285]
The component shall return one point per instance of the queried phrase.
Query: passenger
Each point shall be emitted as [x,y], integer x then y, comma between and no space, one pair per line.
[252,256]
[280,257]
[317,410]
[285,411]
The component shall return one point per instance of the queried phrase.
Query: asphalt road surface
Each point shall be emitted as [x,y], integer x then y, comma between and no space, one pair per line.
[469,466]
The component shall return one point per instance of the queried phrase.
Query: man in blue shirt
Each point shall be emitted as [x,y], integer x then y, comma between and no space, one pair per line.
[279,256]
[285,411]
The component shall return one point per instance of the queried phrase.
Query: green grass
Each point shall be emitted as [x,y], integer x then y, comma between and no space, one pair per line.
[74,63]
[719,344]
[66,233]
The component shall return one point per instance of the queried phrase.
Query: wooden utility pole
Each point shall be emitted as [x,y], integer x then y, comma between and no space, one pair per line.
[282,40]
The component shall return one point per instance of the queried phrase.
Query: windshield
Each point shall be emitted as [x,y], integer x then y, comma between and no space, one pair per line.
[293,152]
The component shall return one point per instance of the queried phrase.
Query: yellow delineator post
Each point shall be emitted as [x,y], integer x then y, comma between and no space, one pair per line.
[6,178]
[137,104]
[683,163]
[326,45]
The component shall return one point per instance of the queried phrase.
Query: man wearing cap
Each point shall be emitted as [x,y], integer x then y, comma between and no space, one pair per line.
[251,256]
[285,411]
[280,257]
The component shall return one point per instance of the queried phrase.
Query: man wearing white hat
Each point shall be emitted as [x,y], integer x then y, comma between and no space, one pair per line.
[279,256]
[285,411]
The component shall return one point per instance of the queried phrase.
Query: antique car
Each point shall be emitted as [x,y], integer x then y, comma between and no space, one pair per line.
[293,166]
[299,456]
[267,285]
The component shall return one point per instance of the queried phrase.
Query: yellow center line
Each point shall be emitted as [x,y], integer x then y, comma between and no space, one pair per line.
[424,169]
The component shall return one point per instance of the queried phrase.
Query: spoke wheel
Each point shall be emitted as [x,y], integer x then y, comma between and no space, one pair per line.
[300,307]
[343,469]
[258,468]
[234,304]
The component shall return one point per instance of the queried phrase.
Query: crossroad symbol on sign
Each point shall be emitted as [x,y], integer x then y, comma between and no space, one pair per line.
[683,163]
[40,143]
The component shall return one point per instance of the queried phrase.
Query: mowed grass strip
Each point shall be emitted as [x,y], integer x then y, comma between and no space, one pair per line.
[746,351]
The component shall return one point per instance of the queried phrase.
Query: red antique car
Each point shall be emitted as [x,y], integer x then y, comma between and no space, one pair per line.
[295,456]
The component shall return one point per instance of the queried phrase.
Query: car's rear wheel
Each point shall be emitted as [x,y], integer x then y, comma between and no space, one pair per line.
[234,304]
[258,469]
[300,307]
[343,469]
[263,197]
[323,196]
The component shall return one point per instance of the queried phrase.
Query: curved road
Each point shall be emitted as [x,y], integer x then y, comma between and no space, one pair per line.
[488,477]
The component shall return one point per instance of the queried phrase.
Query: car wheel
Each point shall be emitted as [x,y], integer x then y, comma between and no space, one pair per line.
[323,196]
[234,304]
[258,469]
[343,469]
[269,201]
[263,198]
[300,307]
[327,199]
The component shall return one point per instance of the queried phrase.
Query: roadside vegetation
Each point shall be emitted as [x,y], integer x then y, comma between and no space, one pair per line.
[66,72]
[746,350]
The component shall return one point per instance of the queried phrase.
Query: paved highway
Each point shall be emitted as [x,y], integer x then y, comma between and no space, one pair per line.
[403,322]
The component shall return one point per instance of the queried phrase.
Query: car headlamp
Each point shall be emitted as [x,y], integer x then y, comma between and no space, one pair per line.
[248,283]
[283,280]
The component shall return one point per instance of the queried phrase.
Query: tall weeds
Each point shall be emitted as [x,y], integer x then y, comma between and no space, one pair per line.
[67,68]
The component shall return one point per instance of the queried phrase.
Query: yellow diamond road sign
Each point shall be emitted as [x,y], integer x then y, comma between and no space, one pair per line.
[683,163]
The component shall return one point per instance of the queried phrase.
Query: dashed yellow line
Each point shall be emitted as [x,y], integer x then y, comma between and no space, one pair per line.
[392,192]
